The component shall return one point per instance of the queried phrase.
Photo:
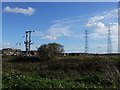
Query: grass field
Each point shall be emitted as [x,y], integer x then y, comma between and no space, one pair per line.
[64,72]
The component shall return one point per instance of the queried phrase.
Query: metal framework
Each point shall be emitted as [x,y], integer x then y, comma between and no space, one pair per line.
[109,43]
[86,41]
[28,42]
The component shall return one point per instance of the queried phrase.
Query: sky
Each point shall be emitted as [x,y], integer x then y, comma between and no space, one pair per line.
[60,0]
[60,22]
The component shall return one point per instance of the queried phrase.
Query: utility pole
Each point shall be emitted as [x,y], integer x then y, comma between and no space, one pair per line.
[109,43]
[86,41]
[28,42]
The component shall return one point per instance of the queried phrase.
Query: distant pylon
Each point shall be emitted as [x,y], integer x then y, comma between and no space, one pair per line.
[86,41]
[109,43]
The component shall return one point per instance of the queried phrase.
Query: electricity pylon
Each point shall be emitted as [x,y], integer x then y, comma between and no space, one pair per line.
[28,42]
[109,43]
[86,41]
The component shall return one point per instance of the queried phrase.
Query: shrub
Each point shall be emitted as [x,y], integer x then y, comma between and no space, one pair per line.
[50,50]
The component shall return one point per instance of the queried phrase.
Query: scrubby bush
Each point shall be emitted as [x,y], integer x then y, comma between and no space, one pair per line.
[50,51]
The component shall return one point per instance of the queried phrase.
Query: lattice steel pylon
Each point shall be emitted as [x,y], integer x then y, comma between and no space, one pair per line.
[109,42]
[86,41]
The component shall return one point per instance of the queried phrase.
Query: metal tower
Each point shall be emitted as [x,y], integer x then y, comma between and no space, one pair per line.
[28,42]
[86,41]
[109,43]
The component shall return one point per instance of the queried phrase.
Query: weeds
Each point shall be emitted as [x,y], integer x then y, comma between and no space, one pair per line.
[75,72]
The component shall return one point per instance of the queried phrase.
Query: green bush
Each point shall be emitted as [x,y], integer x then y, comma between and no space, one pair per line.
[50,51]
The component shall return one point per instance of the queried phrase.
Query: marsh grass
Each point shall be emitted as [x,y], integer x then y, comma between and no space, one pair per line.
[81,71]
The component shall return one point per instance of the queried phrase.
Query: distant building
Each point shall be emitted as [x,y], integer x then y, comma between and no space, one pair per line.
[10,51]
[18,52]
[32,53]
